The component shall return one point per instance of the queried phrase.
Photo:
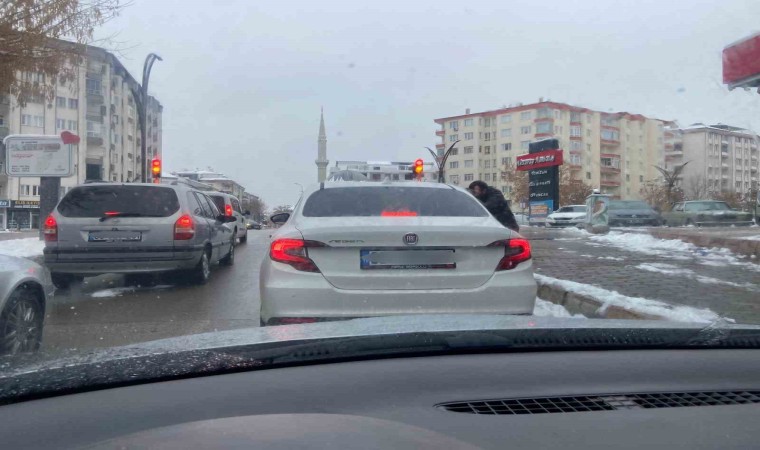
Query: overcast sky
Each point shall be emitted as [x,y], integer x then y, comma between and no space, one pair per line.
[242,82]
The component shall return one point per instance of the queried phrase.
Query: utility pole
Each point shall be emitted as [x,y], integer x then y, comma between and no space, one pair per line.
[149,60]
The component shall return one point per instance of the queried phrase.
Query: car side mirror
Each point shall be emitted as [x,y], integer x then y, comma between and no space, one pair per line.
[280,218]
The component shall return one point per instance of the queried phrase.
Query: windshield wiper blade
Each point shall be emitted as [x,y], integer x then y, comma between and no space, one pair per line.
[125,214]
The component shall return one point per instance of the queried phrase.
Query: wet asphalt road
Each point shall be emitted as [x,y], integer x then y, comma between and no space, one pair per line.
[104,312]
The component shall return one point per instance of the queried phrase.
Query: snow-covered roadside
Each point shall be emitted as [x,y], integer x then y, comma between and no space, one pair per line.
[118,292]
[25,248]
[677,313]
[671,249]
[669,269]
[548,309]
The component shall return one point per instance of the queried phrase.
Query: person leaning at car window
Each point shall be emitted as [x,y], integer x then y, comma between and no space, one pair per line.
[495,203]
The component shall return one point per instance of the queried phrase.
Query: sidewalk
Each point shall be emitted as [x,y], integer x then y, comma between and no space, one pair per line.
[635,268]
[9,235]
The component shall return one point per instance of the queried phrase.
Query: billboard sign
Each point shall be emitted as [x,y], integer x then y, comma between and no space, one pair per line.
[741,63]
[37,156]
[538,160]
[542,164]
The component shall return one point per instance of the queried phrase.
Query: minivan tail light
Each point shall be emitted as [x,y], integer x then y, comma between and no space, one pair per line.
[50,230]
[184,228]
[227,210]
[295,253]
[515,252]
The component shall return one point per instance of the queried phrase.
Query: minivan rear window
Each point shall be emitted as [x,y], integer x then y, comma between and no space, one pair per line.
[95,201]
[391,201]
[218,201]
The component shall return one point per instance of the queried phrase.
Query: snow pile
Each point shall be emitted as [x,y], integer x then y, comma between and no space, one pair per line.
[669,269]
[118,292]
[25,248]
[677,313]
[548,309]
[671,248]
[752,238]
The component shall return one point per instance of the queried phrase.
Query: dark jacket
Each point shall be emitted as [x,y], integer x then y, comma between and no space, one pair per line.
[497,205]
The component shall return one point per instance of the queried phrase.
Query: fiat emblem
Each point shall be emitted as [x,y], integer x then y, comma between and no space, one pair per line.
[410,239]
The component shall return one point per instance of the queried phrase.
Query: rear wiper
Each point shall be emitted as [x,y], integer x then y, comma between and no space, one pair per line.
[111,215]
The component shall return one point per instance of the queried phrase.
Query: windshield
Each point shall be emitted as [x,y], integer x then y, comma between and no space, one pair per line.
[241,171]
[629,205]
[706,206]
[391,201]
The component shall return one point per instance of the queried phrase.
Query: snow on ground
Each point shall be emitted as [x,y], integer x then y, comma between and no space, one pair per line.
[26,247]
[751,238]
[677,313]
[669,269]
[118,292]
[672,249]
[548,309]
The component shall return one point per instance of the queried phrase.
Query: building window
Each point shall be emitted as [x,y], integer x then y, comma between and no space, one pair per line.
[468,122]
[468,136]
[73,103]
[588,175]
[575,160]
[453,164]
[506,161]
[35,190]
[454,151]
[506,132]
[487,136]
[575,131]
[575,145]
[468,177]
[524,145]
[487,150]
[505,190]
[454,179]
[627,178]
[542,127]
[468,150]
[454,125]
[487,122]
[60,102]
[467,163]
[26,119]
[73,125]
[588,132]
[525,130]
[641,178]
[487,164]
[526,115]
[507,118]
[453,137]
[506,147]
[610,135]
[60,124]
[25,189]
[487,177]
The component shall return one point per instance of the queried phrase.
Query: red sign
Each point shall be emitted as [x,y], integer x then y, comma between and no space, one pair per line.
[69,138]
[546,158]
[741,61]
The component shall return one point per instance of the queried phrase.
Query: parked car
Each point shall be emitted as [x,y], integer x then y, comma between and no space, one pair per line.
[135,228]
[355,249]
[252,224]
[522,219]
[632,213]
[566,216]
[24,290]
[705,212]
[229,205]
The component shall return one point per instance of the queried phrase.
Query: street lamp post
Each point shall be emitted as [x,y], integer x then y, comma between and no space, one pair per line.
[149,60]
[301,186]
[442,162]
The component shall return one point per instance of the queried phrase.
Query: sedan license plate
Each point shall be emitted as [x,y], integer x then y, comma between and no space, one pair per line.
[407,259]
[114,236]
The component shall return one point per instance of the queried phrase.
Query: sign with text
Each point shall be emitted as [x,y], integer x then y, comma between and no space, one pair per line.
[542,164]
[37,156]
[5,203]
[25,204]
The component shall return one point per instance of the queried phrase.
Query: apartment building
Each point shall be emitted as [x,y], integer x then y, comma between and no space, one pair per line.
[99,106]
[615,152]
[720,157]
[381,170]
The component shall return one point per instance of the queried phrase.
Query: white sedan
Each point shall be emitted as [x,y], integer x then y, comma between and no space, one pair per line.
[566,216]
[359,249]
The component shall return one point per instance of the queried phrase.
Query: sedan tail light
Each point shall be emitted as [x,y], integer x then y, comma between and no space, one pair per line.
[50,230]
[184,228]
[515,252]
[294,252]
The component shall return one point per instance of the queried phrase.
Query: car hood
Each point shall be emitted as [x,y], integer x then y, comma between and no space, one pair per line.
[637,212]
[567,215]
[40,375]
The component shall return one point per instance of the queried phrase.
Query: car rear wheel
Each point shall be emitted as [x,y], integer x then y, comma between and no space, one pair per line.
[21,322]
[63,280]
[230,258]
[244,237]
[202,271]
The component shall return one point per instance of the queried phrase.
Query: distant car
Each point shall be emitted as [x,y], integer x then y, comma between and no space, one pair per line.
[521,219]
[135,229]
[229,205]
[567,216]
[705,212]
[624,213]
[252,224]
[24,290]
[357,249]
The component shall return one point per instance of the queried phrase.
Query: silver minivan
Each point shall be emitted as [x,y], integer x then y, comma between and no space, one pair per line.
[229,205]
[136,228]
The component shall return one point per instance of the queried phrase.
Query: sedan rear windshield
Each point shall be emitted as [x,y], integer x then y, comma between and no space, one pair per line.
[95,201]
[707,206]
[571,209]
[623,204]
[391,201]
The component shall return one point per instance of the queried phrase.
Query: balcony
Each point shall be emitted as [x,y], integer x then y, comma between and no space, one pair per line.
[95,97]
[576,138]
[544,119]
[609,183]
[609,169]
[440,133]
[610,142]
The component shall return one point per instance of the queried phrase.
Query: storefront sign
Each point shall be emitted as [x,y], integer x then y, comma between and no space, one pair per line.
[5,203]
[542,163]
[38,156]
[540,159]
[25,204]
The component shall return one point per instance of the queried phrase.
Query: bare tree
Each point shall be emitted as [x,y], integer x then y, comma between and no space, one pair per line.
[33,58]
[734,199]
[572,191]
[670,181]
[518,182]
[256,206]
[697,188]
[282,209]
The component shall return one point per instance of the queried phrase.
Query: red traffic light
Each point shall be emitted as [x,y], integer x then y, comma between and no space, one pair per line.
[418,166]
[155,167]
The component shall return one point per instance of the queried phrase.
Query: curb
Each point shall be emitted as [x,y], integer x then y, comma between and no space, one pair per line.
[588,306]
